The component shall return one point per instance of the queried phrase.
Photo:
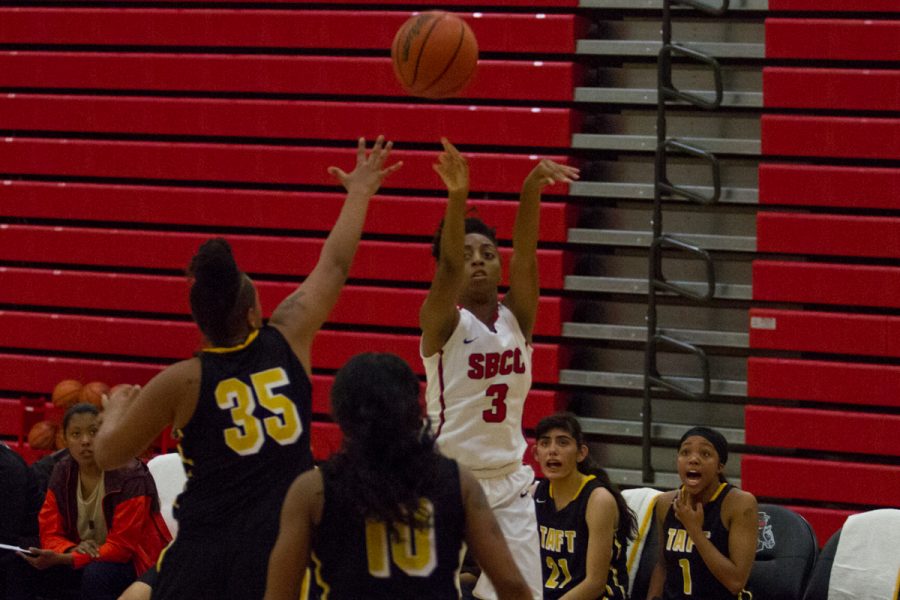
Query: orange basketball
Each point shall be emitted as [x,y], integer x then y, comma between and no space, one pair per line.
[434,54]
[67,393]
[92,393]
[42,435]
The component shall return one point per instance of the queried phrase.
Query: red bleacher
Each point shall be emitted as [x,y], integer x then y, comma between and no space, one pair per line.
[373,29]
[825,185]
[826,283]
[314,211]
[837,137]
[835,5]
[535,80]
[834,235]
[821,480]
[837,89]
[826,430]
[833,39]
[830,333]
[395,307]
[540,127]
[490,172]
[823,381]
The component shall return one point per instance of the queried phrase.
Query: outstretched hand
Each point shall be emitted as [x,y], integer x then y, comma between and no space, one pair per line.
[548,172]
[453,169]
[370,171]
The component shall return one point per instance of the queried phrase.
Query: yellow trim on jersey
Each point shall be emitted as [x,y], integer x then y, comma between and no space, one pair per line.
[324,587]
[584,480]
[718,491]
[642,531]
[897,587]
[241,346]
[162,553]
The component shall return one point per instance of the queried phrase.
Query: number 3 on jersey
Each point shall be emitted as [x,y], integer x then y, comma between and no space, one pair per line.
[247,436]
[497,412]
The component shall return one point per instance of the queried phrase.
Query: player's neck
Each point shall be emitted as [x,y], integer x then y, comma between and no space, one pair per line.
[484,309]
[566,488]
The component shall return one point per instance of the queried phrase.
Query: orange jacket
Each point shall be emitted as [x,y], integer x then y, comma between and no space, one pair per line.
[136,531]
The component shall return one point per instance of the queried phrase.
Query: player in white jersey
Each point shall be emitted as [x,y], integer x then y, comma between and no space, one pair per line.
[477,352]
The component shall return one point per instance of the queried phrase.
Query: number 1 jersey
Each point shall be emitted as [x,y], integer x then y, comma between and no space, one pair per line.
[476,391]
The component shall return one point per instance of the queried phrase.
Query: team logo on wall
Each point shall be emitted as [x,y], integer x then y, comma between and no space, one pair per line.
[766,539]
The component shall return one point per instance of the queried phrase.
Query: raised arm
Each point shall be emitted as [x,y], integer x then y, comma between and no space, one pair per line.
[302,313]
[522,298]
[601,516]
[438,316]
[290,557]
[134,416]
[486,541]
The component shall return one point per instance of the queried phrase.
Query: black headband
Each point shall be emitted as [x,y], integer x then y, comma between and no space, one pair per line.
[713,437]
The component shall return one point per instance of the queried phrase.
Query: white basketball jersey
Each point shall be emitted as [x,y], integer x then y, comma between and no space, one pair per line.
[477,385]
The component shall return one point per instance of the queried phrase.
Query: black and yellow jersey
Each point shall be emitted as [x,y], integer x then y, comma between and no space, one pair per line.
[247,440]
[354,558]
[564,541]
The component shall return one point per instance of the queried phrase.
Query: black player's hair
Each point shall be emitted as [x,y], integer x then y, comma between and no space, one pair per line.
[220,293]
[82,408]
[715,438]
[387,459]
[473,225]
[569,423]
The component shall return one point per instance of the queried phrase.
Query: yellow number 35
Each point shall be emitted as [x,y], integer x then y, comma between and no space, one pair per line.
[247,437]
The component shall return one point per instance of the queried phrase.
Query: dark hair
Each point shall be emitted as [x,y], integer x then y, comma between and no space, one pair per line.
[387,459]
[473,225]
[220,293]
[712,436]
[569,423]
[82,408]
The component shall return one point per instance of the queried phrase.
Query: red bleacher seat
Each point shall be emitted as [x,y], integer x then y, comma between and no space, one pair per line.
[833,39]
[820,185]
[247,163]
[261,209]
[833,235]
[516,126]
[256,254]
[275,74]
[826,283]
[162,339]
[835,5]
[833,333]
[838,137]
[823,381]
[828,430]
[833,89]
[821,480]
[339,29]
[394,307]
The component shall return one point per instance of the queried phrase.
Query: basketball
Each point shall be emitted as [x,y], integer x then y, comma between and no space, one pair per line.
[67,393]
[92,393]
[434,55]
[42,435]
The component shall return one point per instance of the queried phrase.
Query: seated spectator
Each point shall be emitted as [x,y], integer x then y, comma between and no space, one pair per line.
[102,528]
[707,527]
[19,503]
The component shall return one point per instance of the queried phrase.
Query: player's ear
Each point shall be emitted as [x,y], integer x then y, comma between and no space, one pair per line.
[583,452]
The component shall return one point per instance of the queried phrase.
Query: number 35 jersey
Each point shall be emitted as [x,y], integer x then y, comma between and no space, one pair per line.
[247,439]
[477,385]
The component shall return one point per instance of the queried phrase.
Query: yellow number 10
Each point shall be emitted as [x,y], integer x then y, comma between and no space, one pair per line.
[246,436]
